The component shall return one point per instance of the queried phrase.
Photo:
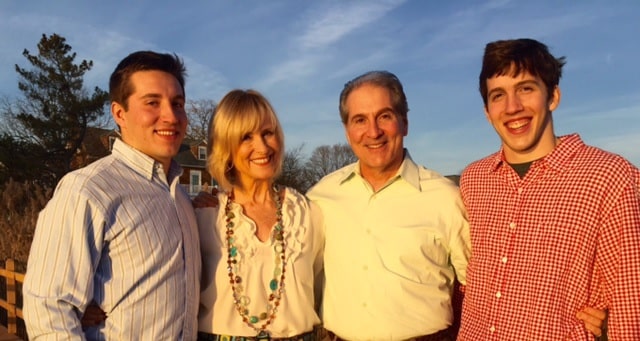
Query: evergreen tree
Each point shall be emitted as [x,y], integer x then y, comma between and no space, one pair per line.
[56,109]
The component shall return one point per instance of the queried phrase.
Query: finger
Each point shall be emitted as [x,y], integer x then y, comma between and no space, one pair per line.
[600,314]
[593,329]
[592,316]
[592,324]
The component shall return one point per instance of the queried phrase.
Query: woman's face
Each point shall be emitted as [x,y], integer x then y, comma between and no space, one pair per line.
[258,154]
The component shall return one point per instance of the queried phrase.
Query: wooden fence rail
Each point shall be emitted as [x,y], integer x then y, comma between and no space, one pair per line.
[13,312]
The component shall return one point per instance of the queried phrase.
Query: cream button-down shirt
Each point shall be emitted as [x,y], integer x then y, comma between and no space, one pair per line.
[391,256]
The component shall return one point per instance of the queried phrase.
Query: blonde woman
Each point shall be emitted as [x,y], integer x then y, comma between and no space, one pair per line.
[262,245]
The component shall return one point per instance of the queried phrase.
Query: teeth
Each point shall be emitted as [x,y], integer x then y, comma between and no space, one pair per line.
[517,124]
[375,146]
[261,161]
[166,133]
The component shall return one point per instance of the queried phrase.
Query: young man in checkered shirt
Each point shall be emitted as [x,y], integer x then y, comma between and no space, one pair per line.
[555,223]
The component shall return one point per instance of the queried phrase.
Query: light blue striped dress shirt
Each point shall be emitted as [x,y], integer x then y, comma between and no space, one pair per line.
[119,233]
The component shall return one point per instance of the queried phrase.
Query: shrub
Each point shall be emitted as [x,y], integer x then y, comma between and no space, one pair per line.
[20,204]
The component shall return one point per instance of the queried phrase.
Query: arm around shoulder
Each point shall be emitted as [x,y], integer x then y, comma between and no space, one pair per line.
[619,260]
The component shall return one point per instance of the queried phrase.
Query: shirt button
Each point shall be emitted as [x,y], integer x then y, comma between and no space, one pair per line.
[512,225]
[498,294]
[492,329]
[364,267]
[519,190]
[504,260]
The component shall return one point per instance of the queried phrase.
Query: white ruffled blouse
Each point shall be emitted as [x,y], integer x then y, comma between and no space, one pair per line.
[304,242]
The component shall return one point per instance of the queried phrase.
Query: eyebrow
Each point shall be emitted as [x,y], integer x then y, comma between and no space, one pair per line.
[521,83]
[377,113]
[527,81]
[150,95]
[156,96]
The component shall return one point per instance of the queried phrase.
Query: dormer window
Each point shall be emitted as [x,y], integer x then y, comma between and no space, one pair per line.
[202,153]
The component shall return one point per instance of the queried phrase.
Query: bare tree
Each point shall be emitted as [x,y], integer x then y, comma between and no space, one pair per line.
[293,171]
[199,113]
[326,159]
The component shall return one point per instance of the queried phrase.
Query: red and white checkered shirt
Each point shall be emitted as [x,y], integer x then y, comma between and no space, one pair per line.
[564,237]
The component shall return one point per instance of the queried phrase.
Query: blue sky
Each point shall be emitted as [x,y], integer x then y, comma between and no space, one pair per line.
[300,54]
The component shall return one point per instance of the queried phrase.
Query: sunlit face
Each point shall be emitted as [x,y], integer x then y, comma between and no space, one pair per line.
[374,131]
[519,109]
[258,155]
[155,122]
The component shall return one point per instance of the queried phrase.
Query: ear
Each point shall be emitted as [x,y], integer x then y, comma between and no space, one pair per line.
[117,111]
[346,133]
[486,114]
[555,99]
[406,127]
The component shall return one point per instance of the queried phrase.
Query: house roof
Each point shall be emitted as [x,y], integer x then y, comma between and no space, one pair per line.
[186,157]
[94,141]
[96,145]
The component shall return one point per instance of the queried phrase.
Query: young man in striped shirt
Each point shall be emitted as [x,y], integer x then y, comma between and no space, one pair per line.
[121,232]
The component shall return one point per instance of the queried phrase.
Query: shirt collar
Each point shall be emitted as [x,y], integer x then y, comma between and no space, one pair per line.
[408,171]
[141,162]
[557,159]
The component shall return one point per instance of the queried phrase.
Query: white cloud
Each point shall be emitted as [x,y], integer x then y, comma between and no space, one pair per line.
[325,28]
[300,54]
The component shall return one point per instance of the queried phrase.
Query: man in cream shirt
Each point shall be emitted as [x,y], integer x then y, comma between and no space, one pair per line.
[396,233]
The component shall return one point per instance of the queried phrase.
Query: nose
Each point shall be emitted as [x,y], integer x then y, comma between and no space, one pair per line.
[514,105]
[373,129]
[171,113]
[260,144]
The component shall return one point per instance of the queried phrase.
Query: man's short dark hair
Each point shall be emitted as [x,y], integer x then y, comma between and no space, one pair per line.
[120,87]
[515,56]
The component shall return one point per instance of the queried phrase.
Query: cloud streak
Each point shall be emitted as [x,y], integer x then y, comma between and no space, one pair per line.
[300,54]
[327,26]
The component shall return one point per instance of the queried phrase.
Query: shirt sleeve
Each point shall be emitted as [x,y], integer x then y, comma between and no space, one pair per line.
[318,250]
[64,253]
[459,242]
[618,258]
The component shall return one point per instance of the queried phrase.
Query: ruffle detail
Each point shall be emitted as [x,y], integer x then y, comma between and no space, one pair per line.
[294,210]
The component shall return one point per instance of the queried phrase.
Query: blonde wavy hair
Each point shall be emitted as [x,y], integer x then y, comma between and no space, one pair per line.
[239,112]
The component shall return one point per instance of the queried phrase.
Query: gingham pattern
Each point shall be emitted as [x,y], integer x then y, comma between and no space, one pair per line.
[565,236]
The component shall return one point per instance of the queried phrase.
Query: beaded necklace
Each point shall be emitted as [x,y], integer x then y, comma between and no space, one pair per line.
[276,284]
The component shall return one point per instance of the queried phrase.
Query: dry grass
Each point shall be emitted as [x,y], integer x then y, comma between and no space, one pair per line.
[20,204]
